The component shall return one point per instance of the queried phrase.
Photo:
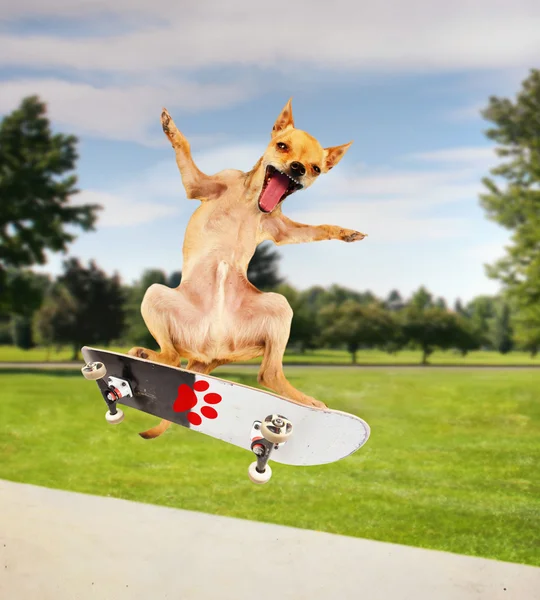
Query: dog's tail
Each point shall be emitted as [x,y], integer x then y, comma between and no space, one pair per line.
[156,431]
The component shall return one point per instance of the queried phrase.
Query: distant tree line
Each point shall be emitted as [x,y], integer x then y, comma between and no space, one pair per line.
[84,306]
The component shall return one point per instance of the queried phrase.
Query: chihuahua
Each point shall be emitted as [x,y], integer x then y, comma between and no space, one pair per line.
[216,316]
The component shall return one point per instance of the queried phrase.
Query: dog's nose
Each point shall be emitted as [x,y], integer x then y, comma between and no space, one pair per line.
[298,168]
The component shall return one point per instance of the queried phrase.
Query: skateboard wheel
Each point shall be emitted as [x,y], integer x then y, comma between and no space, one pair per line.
[257,477]
[93,371]
[276,429]
[115,419]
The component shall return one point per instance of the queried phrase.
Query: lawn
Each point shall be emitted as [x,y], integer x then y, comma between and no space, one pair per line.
[369,357]
[452,463]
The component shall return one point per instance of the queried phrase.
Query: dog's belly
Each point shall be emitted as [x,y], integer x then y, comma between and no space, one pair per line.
[210,318]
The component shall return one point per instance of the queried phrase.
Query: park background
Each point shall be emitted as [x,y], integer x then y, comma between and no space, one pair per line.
[444,177]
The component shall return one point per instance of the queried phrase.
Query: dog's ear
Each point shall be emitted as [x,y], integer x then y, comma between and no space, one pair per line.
[285,119]
[333,155]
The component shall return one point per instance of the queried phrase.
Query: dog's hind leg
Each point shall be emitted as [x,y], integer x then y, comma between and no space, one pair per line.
[197,185]
[276,329]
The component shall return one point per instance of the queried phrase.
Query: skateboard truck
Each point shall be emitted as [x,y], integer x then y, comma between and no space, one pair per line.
[267,436]
[116,388]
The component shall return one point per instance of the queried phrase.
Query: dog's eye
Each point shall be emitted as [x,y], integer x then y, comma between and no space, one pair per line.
[316,169]
[282,146]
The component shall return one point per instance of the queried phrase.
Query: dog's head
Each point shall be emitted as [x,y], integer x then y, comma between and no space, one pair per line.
[292,161]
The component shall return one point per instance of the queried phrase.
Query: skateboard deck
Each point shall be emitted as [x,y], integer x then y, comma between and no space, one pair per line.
[227,410]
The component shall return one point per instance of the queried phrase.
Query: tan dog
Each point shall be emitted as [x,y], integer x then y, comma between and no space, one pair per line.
[216,316]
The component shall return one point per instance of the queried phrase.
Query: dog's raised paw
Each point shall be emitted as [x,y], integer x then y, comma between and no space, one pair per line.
[354,236]
[165,120]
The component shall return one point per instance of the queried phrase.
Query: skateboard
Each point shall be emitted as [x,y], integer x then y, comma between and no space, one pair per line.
[264,423]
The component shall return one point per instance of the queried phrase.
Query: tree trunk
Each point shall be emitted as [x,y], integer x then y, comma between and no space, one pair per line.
[353,356]
[424,355]
[75,355]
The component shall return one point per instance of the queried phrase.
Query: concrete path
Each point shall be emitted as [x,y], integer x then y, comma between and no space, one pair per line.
[62,546]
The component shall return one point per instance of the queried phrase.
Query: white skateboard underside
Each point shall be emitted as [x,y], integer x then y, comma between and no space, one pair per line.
[319,436]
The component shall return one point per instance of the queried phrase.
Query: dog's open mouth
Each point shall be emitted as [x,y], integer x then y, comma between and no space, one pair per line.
[276,187]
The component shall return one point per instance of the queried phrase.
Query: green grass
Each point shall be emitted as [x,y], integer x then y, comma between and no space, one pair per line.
[452,463]
[375,357]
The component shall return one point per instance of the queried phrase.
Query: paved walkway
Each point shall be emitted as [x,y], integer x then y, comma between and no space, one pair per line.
[62,546]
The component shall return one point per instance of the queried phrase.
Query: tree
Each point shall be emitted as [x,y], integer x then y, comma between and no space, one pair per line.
[20,297]
[337,294]
[515,204]
[357,325]
[430,328]
[394,301]
[136,332]
[421,299]
[56,319]
[527,329]
[441,303]
[465,336]
[93,309]
[482,313]
[263,270]
[35,189]
[460,309]
[304,330]
[23,293]
[502,336]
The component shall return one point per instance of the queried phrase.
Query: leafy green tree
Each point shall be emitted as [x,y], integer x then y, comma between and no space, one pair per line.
[304,327]
[482,312]
[441,303]
[357,325]
[527,329]
[394,301]
[21,333]
[466,337]
[36,188]
[460,309]
[502,338]
[429,328]
[56,319]
[21,296]
[136,332]
[512,198]
[96,309]
[263,269]
[421,299]
[337,294]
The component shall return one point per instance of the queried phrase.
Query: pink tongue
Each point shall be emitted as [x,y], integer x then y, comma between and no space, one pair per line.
[273,192]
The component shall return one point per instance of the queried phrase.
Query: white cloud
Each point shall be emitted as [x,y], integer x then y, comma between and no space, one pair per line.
[123,209]
[129,112]
[415,35]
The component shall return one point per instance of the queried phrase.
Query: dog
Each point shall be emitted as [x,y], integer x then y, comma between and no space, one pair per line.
[216,316]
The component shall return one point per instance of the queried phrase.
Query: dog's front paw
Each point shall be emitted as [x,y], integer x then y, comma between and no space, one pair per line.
[349,235]
[176,138]
[166,120]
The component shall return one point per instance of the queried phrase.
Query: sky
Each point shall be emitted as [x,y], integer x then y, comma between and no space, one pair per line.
[404,79]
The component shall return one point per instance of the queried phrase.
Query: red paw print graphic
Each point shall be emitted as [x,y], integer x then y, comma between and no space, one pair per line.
[187,399]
